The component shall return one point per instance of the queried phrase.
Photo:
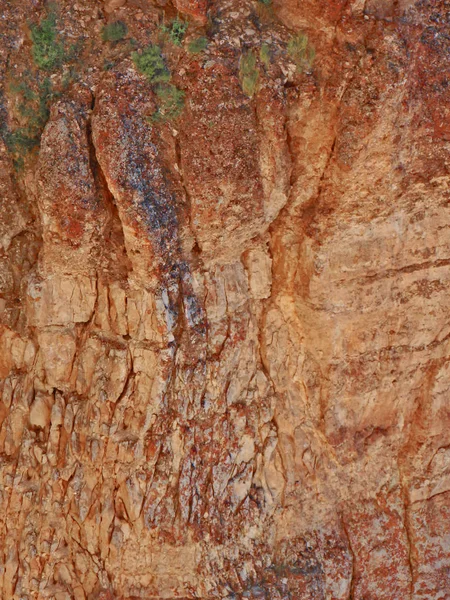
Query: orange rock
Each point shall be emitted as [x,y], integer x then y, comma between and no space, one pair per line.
[224,337]
[197,9]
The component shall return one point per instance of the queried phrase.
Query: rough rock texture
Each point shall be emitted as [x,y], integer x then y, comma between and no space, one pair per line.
[224,337]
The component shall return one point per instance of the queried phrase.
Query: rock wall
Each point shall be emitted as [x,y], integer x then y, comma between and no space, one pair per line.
[224,335]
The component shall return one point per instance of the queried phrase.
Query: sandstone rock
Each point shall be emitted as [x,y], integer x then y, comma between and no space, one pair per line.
[57,347]
[48,300]
[197,9]
[224,338]
[40,412]
[12,217]
[111,5]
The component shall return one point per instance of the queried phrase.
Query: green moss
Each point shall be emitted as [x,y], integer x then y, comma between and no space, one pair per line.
[176,31]
[48,48]
[170,102]
[151,64]
[248,73]
[198,45]
[301,52]
[114,32]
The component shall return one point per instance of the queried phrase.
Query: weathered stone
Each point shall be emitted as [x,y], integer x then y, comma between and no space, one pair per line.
[197,9]
[224,337]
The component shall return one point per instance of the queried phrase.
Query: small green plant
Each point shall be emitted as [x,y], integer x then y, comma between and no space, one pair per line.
[198,45]
[21,141]
[48,48]
[264,54]
[22,88]
[34,110]
[170,99]
[265,2]
[151,64]
[301,52]
[170,102]
[114,32]
[176,31]
[248,73]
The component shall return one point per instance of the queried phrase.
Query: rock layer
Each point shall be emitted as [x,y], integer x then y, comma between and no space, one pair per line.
[224,337]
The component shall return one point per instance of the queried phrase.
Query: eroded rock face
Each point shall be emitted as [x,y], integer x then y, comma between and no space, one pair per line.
[224,336]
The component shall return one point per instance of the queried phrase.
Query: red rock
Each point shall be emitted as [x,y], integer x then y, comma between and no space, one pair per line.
[197,9]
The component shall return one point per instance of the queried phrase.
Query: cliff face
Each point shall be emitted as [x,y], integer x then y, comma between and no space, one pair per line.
[224,291]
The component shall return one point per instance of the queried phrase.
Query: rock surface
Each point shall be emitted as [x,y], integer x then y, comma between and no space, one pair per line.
[225,335]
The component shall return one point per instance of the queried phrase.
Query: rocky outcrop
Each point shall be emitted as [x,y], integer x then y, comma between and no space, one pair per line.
[223,301]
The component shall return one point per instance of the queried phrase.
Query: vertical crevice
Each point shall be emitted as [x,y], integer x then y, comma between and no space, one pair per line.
[351,595]
[114,250]
[196,249]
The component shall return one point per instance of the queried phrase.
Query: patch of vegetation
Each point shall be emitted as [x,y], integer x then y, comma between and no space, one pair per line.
[264,54]
[198,45]
[170,99]
[248,73]
[265,2]
[114,32]
[23,88]
[151,64]
[35,112]
[176,31]
[21,141]
[170,102]
[301,52]
[35,90]
[48,48]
